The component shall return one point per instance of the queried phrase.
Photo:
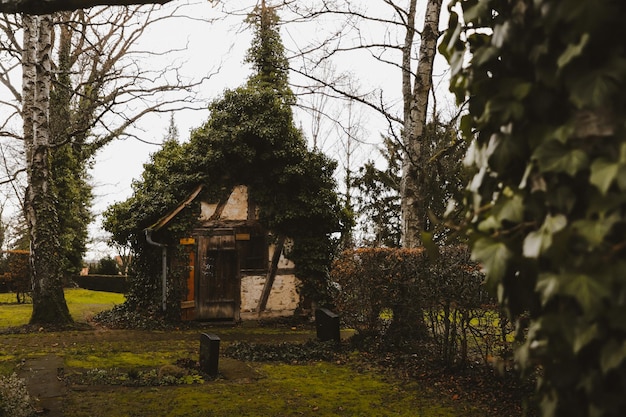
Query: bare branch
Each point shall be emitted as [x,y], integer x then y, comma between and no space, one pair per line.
[41,7]
[345,94]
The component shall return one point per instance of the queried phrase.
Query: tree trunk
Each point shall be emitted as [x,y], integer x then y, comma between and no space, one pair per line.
[49,304]
[413,205]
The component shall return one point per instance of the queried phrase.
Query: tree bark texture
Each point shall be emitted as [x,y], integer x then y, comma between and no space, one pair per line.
[49,304]
[415,95]
[42,7]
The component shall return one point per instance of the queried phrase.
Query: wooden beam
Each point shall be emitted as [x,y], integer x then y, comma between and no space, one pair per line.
[271,275]
[169,216]
[20,251]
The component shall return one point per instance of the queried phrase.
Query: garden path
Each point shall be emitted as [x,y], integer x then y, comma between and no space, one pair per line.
[45,384]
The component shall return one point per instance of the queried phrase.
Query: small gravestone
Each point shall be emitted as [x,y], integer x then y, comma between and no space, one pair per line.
[327,325]
[209,353]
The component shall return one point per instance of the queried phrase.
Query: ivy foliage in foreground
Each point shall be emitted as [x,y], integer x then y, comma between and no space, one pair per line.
[250,138]
[547,208]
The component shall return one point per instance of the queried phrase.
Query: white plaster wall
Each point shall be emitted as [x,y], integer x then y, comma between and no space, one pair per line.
[206,210]
[283,299]
[283,263]
[237,205]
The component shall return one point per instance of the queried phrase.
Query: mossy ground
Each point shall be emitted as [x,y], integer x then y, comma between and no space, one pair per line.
[318,388]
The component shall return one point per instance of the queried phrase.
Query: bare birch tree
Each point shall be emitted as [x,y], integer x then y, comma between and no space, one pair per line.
[414,66]
[416,89]
[397,38]
[90,61]
[47,290]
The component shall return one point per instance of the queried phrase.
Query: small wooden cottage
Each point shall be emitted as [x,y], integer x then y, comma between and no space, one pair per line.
[237,271]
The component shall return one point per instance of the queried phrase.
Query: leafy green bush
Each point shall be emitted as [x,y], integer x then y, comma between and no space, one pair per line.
[106,266]
[122,316]
[282,352]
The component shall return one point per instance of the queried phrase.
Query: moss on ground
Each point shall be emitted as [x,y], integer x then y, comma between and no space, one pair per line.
[328,388]
[319,389]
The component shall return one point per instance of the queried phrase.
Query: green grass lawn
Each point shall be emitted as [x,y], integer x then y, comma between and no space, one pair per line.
[320,389]
[83,304]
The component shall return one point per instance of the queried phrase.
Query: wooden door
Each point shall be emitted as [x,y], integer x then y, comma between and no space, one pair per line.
[217,273]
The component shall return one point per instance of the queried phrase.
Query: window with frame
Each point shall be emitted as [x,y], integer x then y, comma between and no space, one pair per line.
[253,252]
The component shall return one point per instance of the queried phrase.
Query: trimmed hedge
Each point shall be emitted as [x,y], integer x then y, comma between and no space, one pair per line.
[398,296]
[109,283]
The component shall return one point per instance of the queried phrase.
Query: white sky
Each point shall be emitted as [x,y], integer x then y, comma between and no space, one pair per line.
[209,46]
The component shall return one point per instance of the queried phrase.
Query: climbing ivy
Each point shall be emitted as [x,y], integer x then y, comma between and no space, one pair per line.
[250,138]
[546,211]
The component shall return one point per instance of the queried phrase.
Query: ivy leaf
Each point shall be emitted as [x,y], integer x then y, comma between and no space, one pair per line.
[555,157]
[488,225]
[572,51]
[593,89]
[588,291]
[547,286]
[621,177]
[533,243]
[484,54]
[521,90]
[612,355]
[540,240]
[603,173]
[477,12]
[511,209]
[493,256]
[584,336]
[594,231]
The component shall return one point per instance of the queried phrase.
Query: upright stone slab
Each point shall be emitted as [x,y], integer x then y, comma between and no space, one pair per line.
[327,325]
[209,353]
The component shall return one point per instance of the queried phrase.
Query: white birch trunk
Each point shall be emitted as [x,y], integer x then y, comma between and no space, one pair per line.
[415,112]
[49,304]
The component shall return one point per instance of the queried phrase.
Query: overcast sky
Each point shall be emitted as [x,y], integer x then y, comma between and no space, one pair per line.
[223,44]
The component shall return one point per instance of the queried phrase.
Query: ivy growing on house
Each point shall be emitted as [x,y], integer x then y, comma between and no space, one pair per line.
[250,138]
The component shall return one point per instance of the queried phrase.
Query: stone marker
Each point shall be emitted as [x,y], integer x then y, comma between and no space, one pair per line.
[209,353]
[327,325]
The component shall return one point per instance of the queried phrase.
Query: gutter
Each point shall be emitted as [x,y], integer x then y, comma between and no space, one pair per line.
[148,233]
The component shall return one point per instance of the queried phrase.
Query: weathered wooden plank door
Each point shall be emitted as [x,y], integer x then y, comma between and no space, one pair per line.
[218,286]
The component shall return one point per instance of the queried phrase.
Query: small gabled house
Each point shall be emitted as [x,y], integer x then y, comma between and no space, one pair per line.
[237,269]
